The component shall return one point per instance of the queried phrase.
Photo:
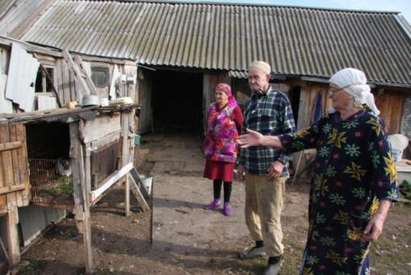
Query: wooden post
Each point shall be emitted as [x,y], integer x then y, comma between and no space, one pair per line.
[12,219]
[86,196]
[125,159]
[76,166]
[81,192]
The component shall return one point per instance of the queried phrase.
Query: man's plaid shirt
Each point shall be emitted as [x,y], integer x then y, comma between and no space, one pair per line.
[269,114]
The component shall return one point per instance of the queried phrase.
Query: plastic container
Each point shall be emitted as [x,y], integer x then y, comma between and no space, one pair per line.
[137,139]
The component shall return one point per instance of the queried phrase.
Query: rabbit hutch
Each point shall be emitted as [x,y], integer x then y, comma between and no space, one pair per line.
[67,159]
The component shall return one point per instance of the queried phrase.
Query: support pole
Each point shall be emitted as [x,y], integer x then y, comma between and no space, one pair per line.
[87,226]
[125,159]
[12,219]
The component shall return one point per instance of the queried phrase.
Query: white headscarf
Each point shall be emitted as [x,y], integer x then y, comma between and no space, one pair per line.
[354,82]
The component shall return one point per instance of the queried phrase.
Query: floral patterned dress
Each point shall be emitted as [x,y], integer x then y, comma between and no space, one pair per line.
[354,170]
[220,148]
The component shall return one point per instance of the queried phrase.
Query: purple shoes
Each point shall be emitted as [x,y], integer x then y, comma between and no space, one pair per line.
[215,204]
[227,210]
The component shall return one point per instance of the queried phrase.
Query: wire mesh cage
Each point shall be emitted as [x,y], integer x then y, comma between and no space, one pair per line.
[50,175]
[43,171]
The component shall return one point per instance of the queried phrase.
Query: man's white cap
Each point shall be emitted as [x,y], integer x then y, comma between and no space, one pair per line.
[261,66]
[354,82]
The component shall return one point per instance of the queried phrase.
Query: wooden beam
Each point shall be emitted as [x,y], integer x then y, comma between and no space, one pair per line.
[10,145]
[96,194]
[86,204]
[78,175]
[137,179]
[11,188]
[125,159]
[87,79]
[77,74]
[12,219]
[138,195]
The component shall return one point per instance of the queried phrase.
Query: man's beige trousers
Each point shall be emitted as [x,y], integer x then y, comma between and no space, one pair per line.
[263,205]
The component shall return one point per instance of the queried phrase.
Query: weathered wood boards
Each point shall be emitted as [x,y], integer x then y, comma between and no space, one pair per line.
[14,183]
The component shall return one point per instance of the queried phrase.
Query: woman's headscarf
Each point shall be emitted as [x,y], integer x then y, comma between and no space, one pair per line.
[354,82]
[227,90]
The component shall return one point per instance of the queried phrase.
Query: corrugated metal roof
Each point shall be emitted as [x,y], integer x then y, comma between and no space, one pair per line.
[295,41]
[15,12]
[5,6]
[238,74]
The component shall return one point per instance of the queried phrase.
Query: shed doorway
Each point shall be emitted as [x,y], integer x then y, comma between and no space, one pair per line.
[177,102]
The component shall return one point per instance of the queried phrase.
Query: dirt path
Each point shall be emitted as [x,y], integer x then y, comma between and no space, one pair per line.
[187,238]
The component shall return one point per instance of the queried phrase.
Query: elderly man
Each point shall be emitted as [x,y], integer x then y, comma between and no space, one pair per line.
[268,112]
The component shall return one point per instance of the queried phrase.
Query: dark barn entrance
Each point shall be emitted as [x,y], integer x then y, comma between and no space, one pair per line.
[177,101]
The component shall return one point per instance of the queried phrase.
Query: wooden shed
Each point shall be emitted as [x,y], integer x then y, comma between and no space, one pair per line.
[66,157]
[95,142]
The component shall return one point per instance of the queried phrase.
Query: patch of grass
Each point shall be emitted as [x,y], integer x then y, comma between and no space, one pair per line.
[405,189]
[64,186]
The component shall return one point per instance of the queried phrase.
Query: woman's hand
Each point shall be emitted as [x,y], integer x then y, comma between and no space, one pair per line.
[252,138]
[375,226]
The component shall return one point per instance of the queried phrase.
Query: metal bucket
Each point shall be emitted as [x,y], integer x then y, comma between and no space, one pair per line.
[90,100]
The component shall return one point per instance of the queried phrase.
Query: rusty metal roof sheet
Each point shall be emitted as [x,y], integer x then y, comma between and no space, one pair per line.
[294,40]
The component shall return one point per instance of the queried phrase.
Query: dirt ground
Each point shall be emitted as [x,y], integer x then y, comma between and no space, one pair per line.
[187,238]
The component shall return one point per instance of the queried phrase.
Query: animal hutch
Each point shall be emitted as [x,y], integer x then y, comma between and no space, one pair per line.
[68,159]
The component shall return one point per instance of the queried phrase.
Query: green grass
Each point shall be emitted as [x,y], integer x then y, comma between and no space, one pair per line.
[64,186]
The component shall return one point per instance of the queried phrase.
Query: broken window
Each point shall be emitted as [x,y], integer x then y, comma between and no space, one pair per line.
[44,84]
[100,76]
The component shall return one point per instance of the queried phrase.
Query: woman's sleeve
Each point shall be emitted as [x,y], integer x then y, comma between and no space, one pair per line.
[302,139]
[384,173]
[238,118]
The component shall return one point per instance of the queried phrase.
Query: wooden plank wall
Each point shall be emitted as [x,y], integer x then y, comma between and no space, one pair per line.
[391,106]
[390,103]
[14,175]
[64,82]
[308,96]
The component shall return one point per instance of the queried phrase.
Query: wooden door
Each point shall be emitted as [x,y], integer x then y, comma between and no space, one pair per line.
[14,172]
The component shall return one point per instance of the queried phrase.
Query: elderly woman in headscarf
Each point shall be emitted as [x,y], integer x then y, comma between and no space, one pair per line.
[224,121]
[354,177]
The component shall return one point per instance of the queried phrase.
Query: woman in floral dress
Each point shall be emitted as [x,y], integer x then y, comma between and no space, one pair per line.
[224,121]
[354,177]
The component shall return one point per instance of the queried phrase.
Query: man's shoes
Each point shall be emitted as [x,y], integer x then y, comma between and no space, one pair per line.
[273,267]
[215,204]
[227,210]
[253,253]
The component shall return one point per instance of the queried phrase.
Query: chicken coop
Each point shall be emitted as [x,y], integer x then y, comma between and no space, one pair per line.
[66,159]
